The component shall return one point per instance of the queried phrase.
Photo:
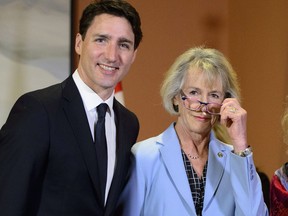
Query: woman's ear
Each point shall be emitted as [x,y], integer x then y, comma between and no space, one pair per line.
[228,95]
[175,104]
[176,108]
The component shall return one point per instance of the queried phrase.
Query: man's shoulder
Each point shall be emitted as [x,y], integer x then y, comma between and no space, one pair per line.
[48,96]
[50,90]
[122,111]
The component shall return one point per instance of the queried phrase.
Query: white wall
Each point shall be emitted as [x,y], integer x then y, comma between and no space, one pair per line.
[34,47]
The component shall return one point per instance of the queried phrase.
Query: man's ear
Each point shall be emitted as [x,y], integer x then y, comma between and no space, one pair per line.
[78,44]
[134,55]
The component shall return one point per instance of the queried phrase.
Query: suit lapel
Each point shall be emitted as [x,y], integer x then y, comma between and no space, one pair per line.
[216,166]
[76,115]
[124,141]
[172,159]
[120,148]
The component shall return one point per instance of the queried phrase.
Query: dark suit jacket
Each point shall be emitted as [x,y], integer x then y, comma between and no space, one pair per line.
[48,160]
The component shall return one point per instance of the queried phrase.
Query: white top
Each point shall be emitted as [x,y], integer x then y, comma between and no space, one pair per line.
[91,100]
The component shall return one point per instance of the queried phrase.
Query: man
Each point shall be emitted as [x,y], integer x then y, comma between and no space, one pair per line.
[50,163]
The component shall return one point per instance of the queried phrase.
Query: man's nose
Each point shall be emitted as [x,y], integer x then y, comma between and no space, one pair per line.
[111,52]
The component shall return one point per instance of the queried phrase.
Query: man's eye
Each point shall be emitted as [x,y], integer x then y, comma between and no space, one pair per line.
[125,46]
[100,40]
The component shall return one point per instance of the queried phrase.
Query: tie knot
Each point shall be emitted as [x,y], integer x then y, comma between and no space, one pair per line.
[101,110]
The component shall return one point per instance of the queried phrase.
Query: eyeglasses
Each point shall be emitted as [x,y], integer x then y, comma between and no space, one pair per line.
[195,105]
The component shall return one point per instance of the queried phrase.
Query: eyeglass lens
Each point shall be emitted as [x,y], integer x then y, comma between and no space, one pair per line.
[212,108]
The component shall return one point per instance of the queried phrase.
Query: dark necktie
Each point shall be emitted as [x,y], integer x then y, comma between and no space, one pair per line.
[101,148]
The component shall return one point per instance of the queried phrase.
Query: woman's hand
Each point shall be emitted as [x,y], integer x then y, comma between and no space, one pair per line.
[234,117]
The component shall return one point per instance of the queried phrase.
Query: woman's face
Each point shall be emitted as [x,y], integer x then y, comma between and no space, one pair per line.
[196,86]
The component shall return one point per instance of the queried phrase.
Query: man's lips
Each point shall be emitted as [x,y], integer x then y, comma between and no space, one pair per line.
[107,67]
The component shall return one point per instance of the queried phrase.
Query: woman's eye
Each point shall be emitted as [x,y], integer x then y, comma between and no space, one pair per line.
[216,96]
[193,92]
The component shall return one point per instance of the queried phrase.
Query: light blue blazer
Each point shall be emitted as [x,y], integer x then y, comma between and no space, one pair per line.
[158,185]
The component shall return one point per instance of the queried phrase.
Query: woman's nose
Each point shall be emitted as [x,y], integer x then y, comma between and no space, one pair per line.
[203,107]
[203,104]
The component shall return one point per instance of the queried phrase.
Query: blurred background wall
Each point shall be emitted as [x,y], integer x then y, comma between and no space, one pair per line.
[254,37]
[34,47]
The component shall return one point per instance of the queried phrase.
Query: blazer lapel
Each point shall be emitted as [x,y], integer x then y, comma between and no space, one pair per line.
[76,115]
[172,159]
[120,158]
[126,136]
[216,166]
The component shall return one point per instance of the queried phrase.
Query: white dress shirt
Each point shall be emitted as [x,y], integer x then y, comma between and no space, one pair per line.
[91,100]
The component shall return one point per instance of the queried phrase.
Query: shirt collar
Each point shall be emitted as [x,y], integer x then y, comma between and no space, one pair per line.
[89,97]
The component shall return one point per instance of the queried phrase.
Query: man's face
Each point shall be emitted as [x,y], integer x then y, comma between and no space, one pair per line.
[106,53]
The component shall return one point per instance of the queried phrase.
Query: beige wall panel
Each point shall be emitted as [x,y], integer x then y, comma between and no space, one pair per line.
[258,49]
[252,34]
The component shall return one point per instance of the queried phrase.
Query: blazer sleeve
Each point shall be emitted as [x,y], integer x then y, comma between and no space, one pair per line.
[132,198]
[24,142]
[246,186]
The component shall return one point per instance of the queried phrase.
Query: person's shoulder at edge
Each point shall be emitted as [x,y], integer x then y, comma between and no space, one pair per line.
[150,147]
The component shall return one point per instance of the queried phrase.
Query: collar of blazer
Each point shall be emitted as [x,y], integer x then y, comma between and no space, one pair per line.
[171,149]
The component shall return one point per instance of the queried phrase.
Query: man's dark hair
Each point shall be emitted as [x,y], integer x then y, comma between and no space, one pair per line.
[119,8]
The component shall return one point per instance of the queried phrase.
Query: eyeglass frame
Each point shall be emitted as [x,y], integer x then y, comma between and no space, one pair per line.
[184,97]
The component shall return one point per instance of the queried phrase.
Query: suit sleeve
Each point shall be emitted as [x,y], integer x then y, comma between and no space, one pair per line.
[246,186]
[132,199]
[24,142]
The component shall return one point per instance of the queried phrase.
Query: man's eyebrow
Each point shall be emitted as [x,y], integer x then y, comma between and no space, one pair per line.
[101,35]
[121,39]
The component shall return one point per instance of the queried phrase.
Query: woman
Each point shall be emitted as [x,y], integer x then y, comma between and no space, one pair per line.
[186,170]
[279,183]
